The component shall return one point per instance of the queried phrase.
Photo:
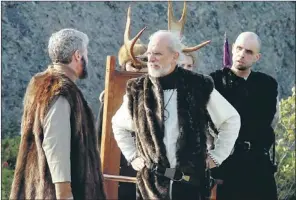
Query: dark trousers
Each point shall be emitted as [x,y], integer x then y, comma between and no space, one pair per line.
[126,191]
[246,176]
[184,191]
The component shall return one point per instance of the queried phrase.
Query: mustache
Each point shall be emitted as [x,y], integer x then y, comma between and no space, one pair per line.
[153,63]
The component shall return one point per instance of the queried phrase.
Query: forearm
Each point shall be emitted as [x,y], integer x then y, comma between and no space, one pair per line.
[63,190]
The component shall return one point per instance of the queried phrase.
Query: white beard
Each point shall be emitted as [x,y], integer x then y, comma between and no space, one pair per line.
[162,71]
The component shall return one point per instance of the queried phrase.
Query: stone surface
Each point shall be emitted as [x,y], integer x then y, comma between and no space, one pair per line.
[27,26]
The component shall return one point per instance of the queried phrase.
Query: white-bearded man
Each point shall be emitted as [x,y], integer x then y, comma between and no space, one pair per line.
[169,110]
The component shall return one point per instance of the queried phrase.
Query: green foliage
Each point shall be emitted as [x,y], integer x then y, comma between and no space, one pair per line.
[285,149]
[7,176]
[285,153]
[9,149]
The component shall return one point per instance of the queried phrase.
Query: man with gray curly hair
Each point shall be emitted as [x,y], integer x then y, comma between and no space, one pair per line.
[64,43]
[58,156]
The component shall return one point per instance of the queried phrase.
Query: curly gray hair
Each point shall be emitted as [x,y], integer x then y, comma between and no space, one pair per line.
[64,43]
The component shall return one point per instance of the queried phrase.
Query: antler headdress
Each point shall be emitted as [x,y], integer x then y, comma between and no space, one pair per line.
[131,47]
[174,25]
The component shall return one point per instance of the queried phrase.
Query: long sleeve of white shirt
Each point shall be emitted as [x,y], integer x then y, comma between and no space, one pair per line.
[57,140]
[223,114]
[123,126]
[227,121]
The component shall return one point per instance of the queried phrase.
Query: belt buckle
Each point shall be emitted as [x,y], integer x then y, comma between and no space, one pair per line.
[248,145]
[183,178]
[180,179]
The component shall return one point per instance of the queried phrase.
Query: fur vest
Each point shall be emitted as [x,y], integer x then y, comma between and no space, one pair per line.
[147,109]
[32,179]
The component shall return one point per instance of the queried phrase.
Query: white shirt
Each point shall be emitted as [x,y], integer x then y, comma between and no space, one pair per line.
[57,140]
[222,113]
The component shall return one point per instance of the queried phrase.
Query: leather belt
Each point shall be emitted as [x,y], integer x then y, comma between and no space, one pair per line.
[247,146]
[177,175]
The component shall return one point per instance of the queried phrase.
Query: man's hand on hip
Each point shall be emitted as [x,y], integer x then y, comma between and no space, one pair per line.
[63,190]
[210,163]
[138,163]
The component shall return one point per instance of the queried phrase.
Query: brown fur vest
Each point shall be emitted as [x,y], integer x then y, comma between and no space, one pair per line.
[146,106]
[32,179]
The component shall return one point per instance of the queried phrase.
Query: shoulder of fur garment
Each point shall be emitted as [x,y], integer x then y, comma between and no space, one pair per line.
[146,107]
[32,178]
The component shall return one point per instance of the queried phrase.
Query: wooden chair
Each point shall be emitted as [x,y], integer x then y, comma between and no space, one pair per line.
[115,85]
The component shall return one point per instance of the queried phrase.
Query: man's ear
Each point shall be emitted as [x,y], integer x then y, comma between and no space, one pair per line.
[77,55]
[258,56]
[176,56]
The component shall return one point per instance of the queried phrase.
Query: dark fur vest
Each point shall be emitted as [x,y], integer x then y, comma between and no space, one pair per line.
[32,178]
[147,109]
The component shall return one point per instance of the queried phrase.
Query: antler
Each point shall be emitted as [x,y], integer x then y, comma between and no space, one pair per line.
[127,27]
[173,24]
[129,44]
[191,49]
[135,60]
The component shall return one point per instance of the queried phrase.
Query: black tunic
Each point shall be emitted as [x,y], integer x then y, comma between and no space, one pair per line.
[248,174]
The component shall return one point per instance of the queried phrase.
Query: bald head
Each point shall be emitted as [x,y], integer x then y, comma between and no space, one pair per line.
[245,52]
[250,37]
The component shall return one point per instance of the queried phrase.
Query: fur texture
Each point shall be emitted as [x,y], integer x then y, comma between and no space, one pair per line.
[146,107]
[32,179]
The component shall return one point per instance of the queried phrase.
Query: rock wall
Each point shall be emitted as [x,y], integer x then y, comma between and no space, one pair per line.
[27,26]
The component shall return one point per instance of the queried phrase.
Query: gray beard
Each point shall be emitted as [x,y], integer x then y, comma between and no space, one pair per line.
[159,72]
[84,74]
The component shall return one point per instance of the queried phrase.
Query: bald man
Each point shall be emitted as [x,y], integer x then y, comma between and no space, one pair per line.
[248,174]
